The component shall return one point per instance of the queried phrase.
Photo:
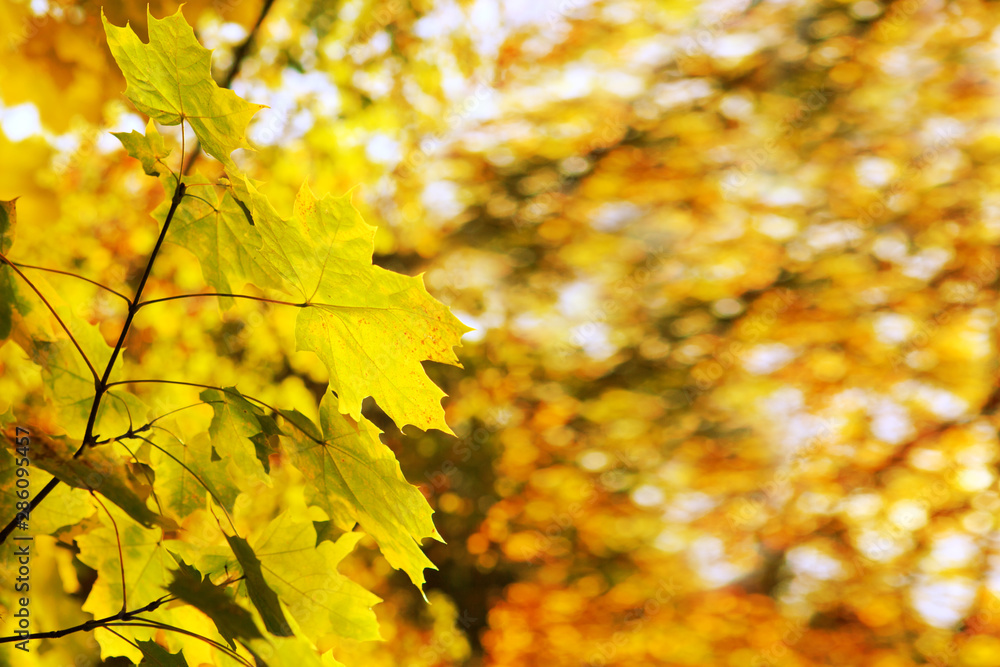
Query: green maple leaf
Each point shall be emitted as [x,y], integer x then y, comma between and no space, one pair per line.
[97,469]
[261,594]
[122,543]
[220,236]
[170,80]
[235,423]
[232,620]
[71,383]
[65,506]
[8,221]
[146,148]
[288,652]
[371,327]
[305,577]
[354,477]
[186,475]
[154,655]
[147,564]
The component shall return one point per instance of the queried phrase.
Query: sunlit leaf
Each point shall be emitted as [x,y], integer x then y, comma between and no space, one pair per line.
[370,327]
[170,80]
[148,148]
[354,477]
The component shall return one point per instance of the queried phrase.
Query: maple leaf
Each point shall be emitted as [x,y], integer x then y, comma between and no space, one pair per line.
[261,595]
[219,235]
[146,148]
[148,560]
[235,423]
[371,327]
[154,655]
[65,506]
[8,221]
[305,577]
[354,477]
[170,80]
[186,474]
[99,470]
[232,620]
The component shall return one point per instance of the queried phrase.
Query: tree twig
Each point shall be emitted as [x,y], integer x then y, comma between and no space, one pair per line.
[89,625]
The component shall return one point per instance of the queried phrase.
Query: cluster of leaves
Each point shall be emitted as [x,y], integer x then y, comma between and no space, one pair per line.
[267,579]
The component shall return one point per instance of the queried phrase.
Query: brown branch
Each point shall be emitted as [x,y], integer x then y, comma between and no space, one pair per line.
[89,625]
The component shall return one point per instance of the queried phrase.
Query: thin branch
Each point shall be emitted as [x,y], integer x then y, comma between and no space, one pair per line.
[193,405]
[128,412]
[53,311]
[74,275]
[124,618]
[117,619]
[177,180]
[240,54]
[32,504]
[131,433]
[210,204]
[234,296]
[133,309]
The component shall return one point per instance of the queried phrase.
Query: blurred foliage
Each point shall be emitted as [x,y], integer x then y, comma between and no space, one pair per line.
[733,271]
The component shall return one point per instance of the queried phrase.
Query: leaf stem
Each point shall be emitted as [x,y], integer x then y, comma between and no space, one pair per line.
[121,557]
[74,275]
[234,296]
